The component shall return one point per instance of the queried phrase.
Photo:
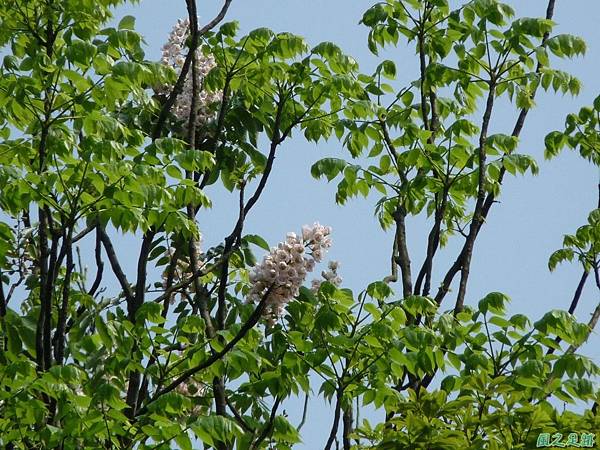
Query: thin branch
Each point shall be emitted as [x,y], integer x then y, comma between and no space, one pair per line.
[99,263]
[238,417]
[593,319]
[304,413]
[336,419]
[3,302]
[246,327]
[269,425]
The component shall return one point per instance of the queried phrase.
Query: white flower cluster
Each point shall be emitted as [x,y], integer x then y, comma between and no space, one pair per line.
[284,269]
[317,238]
[22,258]
[173,55]
[330,275]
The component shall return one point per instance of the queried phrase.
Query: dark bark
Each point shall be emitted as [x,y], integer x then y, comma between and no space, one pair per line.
[46,295]
[490,198]
[60,335]
[403,259]
[462,263]
[422,68]
[488,202]
[99,263]
[578,292]
[595,314]
[142,272]
[433,242]
[238,417]
[42,264]
[3,302]
[477,214]
[336,420]
[116,266]
[573,306]
[218,382]
[348,426]
[133,306]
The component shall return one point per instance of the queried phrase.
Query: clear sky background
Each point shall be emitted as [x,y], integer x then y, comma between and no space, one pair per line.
[522,230]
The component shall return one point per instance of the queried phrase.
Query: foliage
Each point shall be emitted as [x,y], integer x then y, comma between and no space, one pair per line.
[91,149]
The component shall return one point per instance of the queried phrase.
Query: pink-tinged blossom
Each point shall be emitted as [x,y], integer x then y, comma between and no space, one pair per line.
[284,269]
[173,55]
[330,275]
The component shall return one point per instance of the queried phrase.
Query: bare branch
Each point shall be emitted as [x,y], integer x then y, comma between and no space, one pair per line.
[403,259]
[348,428]
[99,263]
[114,263]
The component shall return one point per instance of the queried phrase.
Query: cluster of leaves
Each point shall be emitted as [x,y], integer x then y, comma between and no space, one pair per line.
[582,133]
[473,53]
[499,372]
[89,149]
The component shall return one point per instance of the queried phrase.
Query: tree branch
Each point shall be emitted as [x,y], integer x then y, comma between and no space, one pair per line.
[490,198]
[347,424]
[478,219]
[463,261]
[269,425]
[593,319]
[336,419]
[99,262]
[246,327]
[116,267]
[403,256]
[60,335]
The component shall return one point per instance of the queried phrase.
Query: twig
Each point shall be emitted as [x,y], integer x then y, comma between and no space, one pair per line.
[269,425]
[246,327]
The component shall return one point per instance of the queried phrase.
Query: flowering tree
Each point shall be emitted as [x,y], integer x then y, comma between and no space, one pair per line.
[97,140]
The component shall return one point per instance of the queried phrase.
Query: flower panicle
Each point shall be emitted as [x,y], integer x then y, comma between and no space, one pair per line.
[331,275]
[281,272]
[173,55]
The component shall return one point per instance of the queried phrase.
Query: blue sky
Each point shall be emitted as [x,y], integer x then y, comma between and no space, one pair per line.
[522,230]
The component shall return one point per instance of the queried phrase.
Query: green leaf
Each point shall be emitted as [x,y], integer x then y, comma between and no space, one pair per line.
[389,69]
[213,429]
[494,302]
[127,23]
[257,240]
[150,311]
[184,441]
